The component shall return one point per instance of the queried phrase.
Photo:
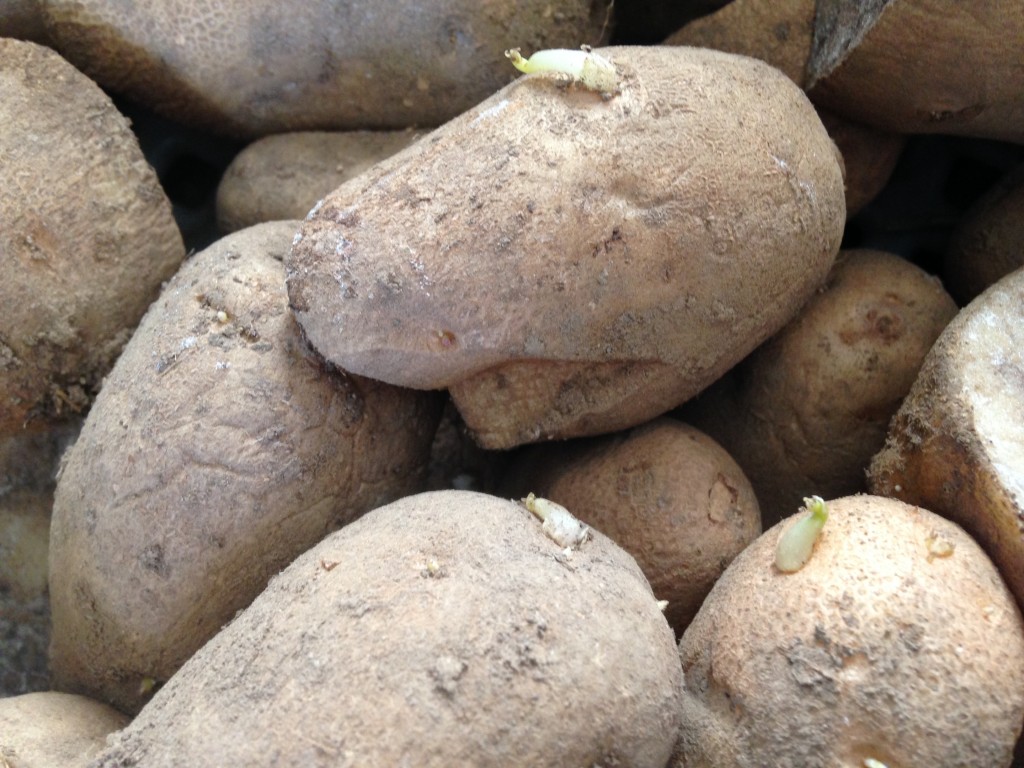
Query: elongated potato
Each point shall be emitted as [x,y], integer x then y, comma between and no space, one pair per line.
[569,264]
[219,449]
[445,629]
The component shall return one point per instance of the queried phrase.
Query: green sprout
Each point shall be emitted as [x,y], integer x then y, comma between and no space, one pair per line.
[797,543]
[590,69]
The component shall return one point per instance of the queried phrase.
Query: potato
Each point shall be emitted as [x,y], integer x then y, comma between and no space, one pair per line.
[665,492]
[54,730]
[22,19]
[897,642]
[219,449]
[86,240]
[568,264]
[283,176]
[443,629]
[957,443]
[805,413]
[255,68]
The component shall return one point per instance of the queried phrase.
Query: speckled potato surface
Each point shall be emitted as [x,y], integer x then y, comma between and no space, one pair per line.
[86,238]
[219,449]
[443,629]
[568,264]
[665,492]
[897,641]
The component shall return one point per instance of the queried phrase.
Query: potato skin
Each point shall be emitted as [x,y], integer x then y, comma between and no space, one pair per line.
[568,265]
[219,449]
[443,629]
[54,729]
[885,645]
[87,237]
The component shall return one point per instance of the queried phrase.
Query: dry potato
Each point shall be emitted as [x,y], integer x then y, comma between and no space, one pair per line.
[665,492]
[957,443]
[568,264]
[54,730]
[806,412]
[283,176]
[87,236]
[897,642]
[444,629]
[257,67]
[219,449]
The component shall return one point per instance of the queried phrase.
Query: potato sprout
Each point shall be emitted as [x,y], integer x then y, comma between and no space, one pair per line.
[590,69]
[797,543]
[558,523]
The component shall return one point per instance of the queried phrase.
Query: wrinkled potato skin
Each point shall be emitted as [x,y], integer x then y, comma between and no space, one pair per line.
[879,647]
[665,492]
[218,450]
[595,261]
[87,237]
[444,629]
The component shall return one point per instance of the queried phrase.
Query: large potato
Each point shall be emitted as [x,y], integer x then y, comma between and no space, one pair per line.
[568,264]
[896,642]
[444,629]
[219,449]
[86,236]
[258,67]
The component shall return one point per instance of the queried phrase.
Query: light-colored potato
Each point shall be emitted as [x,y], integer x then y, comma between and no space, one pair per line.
[283,176]
[896,642]
[665,492]
[444,629]
[805,413]
[86,237]
[568,264]
[219,449]
[255,67]
[957,443]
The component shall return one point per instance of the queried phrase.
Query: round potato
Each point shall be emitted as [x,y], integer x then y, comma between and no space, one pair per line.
[665,492]
[568,264]
[219,449]
[443,629]
[896,644]
[86,240]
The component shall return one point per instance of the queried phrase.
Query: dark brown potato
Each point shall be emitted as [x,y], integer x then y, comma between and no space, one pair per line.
[87,237]
[218,450]
[445,629]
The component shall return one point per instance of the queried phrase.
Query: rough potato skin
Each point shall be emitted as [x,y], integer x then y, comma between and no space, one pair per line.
[569,265]
[87,237]
[218,450]
[665,492]
[887,644]
[443,629]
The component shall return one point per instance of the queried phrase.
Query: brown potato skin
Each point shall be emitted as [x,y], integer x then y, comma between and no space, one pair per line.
[443,629]
[665,492]
[570,265]
[219,449]
[87,237]
[879,647]
[805,413]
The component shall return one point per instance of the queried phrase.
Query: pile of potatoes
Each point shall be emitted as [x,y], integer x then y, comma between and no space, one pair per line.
[596,413]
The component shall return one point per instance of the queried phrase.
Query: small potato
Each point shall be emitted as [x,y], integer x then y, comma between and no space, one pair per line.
[54,730]
[665,492]
[219,449]
[445,629]
[283,176]
[957,443]
[896,644]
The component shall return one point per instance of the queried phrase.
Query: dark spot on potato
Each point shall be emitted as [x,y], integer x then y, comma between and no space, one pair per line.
[152,559]
[445,340]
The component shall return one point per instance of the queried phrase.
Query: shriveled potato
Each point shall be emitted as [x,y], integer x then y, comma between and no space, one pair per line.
[988,243]
[54,730]
[87,236]
[443,629]
[257,67]
[283,176]
[896,644]
[957,443]
[665,492]
[219,449]
[568,264]
[805,413]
